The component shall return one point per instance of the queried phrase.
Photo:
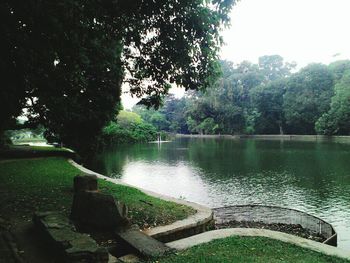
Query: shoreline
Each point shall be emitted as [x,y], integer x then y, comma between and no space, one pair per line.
[194,224]
[192,231]
[289,137]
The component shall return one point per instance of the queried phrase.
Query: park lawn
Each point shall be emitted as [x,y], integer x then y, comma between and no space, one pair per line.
[45,184]
[38,149]
[26,151]
[248,249]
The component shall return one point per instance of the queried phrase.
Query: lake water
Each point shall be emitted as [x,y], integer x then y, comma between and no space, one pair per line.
[313,177]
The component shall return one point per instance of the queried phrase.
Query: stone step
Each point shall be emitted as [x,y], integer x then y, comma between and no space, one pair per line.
[142,243]
[71,245]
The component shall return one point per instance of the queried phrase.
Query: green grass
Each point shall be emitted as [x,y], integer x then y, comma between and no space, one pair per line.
[248,249]
[28,185]
[22,151]
[28,140]
[145,210]
[46,148]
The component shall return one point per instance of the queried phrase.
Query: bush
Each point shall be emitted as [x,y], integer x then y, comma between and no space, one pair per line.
[125,131]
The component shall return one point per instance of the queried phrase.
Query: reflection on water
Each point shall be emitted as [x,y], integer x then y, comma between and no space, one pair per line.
[309,176]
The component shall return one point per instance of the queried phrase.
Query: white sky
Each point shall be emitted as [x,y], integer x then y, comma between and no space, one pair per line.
[303,31]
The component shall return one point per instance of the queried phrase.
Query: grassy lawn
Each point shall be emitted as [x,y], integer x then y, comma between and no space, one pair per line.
[28,185]
[248,249]
[29,140]
[22,151]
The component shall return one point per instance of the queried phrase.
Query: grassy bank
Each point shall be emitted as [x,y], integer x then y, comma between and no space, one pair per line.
[28,185]
[249,249]
[26,151]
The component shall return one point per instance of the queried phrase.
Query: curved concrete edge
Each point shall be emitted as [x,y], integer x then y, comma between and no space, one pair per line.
[202,217]
[252,232]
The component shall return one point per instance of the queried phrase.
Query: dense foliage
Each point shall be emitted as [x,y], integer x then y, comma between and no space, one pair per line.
[337,119]
[128,127]
[64,61]
[263,98]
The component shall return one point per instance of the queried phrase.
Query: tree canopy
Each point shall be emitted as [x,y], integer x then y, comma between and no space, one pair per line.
[337,119]
[265,98]
[308,94]
[64,61]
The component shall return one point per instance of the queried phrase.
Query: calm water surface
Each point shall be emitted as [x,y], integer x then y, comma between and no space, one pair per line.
[310,176]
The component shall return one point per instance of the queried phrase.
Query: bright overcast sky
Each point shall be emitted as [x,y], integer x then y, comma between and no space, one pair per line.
[303,31]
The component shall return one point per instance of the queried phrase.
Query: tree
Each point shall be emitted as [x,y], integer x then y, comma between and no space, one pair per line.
[339,68]
[153,117]
[236,104]
[175,112]
[246,90]
[268,101]
[273,67]
[266,98]
[126,119]
[307,97]
[128,127]
[65,60]
[337,120]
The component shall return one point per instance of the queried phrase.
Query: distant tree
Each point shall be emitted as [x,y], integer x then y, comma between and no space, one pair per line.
[307,97]
[175,111]
[144,112]
[265,98]
[230,101]
[268,101]
[126,119]
[155,117]
[273,67]
[339,68]
[127,127]
[200,113]
[337,120]
[65,60]
[159,120]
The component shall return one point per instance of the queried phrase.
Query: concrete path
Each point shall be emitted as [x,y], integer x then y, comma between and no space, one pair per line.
[251,232]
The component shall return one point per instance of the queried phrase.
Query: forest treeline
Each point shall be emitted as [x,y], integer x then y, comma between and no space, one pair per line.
[269,97]
[264,98]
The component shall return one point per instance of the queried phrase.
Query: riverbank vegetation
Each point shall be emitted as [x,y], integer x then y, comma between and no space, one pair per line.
[127,127]
[269,97]
[249,249]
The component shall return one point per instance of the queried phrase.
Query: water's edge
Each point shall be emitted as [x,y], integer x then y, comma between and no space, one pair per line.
[344,139]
